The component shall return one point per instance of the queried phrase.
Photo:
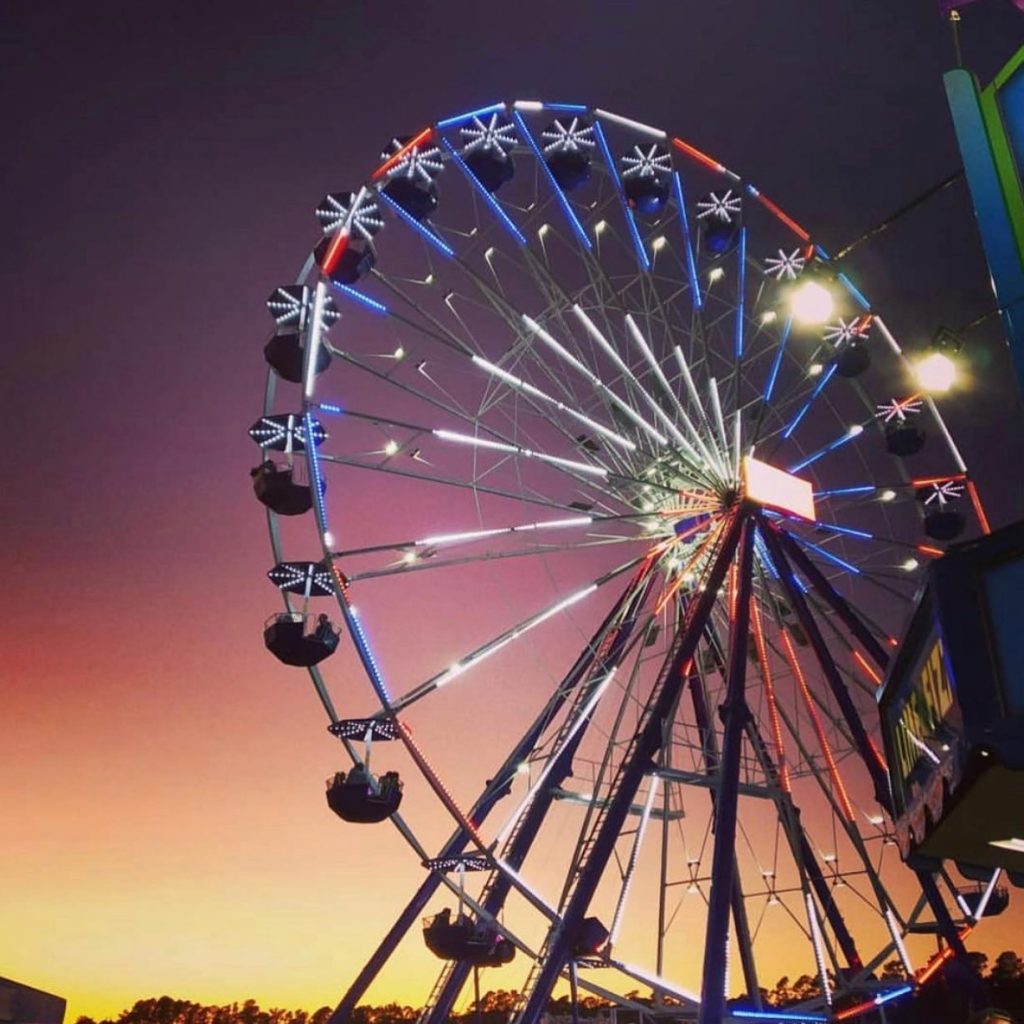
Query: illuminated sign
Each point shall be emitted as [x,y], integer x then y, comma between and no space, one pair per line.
[924,714]
[777,489]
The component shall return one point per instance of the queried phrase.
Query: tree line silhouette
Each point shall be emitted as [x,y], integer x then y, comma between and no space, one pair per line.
[941,1001]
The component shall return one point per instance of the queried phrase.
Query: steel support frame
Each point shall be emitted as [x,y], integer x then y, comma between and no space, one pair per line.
[735,715]
[640,760]
[496,789]
[498,889]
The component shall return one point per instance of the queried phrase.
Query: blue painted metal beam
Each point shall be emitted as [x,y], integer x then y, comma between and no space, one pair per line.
[639,760]
[735,715]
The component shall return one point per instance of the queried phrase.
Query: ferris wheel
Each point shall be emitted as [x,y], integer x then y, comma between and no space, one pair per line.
[620,491]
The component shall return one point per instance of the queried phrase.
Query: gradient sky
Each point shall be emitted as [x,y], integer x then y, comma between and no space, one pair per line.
[160,775]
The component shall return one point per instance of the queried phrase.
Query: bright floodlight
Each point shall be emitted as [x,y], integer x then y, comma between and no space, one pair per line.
[811,303]
[936,372]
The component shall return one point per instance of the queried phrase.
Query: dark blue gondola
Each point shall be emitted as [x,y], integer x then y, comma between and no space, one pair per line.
[276,487]
[462,938]
[353,797]
[903,439]
[286,638]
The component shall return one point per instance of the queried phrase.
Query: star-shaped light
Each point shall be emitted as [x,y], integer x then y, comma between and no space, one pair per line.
[844,331]
[899,408]
[943,492]
[652,164]
[784,266]
[334,210]
[721,207]
[289,306]
[424,163]
[497,135]
[573,137]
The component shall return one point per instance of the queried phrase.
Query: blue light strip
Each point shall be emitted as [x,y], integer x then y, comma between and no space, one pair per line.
[691,266]
[320,509]
[848,530]
[887,997]
[777,364]
[335,409]
[741,286]
[377,307]
[448,122]
[806,1018]
[825,378]
[426,233]
[822,452]
[828,556]
[839,491]
[485,195]
[609,160]
[567,108]
[559,194]
[855,292]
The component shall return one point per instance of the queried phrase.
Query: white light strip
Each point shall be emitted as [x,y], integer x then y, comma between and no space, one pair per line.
[987,894]
[531,106]
[641,343]
[887,334]
[634,855]
[658,982]
[716,408]
[639,126]
[897,938]
[527,453]
[625,407]
[529,389]
[961,465]
[538,900]
[514,634]
[819,953]
[509,825]
[922,746]
[628,373]
[695,398]
[737,441]
[549,524]
[313,337]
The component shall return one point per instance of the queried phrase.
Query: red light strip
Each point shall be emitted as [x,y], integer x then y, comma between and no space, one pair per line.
[950,478]
[940,958]
[769,689]
[334,251]
[855,1011]
[868,670]
[698,155]
[833,768]
[878,755]
[979,511]
[784,217]
[438,786]
[926,550]
[400,155]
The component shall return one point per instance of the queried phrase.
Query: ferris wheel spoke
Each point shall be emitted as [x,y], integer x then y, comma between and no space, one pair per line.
[413,565]
[508,636]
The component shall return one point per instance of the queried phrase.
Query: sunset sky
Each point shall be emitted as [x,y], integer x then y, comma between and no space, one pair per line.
[161,776]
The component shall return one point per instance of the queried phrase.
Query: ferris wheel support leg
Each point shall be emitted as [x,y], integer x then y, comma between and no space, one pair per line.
[613,645]
[849,711]
[735,715]
[833,599]
[639,761]
[739,905]
[967,980]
